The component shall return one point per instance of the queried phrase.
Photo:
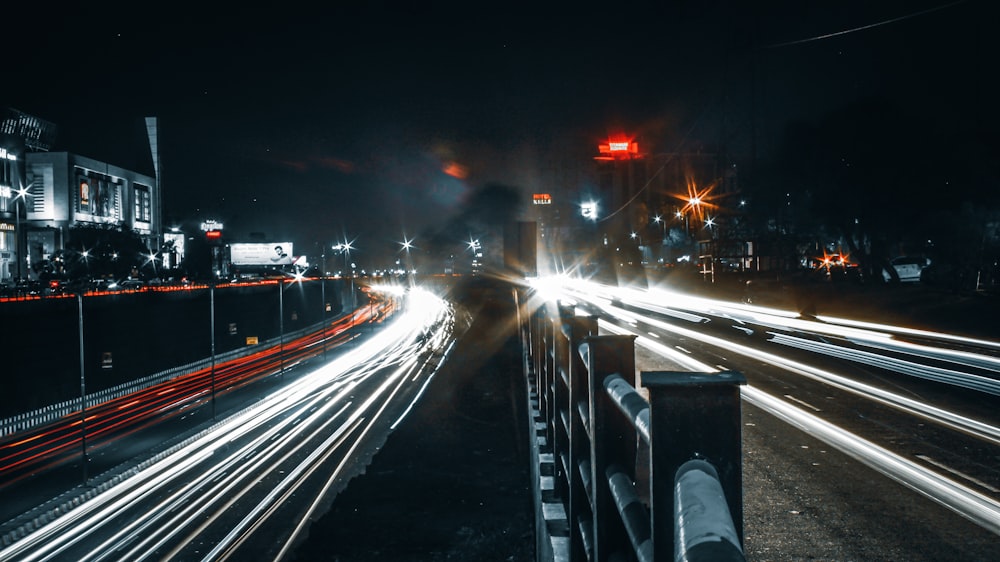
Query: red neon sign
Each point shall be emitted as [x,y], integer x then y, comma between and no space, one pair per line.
[619,148]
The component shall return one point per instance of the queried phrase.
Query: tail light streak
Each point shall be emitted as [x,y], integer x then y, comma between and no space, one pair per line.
[321,406]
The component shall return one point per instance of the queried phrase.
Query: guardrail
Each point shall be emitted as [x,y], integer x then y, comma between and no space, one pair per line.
[47,414]
[620,475]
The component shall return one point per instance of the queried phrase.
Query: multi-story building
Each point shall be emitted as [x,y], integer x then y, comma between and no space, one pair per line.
[647,196]
[44,194]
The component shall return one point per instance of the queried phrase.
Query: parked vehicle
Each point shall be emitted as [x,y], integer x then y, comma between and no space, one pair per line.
[908,268]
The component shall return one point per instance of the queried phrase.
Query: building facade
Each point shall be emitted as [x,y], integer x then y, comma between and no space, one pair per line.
[656,200]
[45,194]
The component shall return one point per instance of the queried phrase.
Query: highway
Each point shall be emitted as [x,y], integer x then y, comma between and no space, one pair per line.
[905,420]
[110,422]
[250,483]
[918,407]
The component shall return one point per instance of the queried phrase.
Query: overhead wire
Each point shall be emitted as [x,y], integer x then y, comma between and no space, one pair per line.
[863,27]
[680,144]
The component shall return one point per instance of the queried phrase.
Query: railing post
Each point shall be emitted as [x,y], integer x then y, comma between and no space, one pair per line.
[578,445]
[692,416]
[612,437]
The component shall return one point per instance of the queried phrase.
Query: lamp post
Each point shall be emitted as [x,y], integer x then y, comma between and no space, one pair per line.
[660,221]
[406,245]
[322,298]
[345,250]
[85,460]
[477,252]
[211,327]
[21,195]
[281,327]
[151,259]
[687,227]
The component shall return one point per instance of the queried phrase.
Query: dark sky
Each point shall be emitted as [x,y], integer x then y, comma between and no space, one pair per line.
[308,123]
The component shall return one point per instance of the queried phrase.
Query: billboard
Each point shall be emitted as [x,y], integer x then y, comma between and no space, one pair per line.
[274,253]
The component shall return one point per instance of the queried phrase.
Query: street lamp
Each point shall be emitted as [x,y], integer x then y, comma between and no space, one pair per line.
[406,246]
[687,226]
[477,252]
[151,258]
[345,250]
[660,221]
[21,195]
[85,458]
[211,329]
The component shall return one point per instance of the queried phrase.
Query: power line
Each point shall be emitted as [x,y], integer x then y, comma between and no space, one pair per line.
[863,27]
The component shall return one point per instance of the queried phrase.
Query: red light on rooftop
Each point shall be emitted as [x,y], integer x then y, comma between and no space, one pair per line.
[619,148]
[456,170]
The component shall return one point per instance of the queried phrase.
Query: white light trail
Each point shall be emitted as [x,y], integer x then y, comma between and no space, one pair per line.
[195,486]
[952,420]
[964,501]
[953,495]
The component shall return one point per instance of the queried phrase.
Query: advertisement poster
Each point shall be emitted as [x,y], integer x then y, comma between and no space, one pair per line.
[275,253]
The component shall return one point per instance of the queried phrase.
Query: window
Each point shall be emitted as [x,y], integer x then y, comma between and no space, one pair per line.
[143,210]
[99,196]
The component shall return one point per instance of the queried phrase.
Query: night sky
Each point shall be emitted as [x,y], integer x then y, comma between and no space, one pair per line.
[311,123]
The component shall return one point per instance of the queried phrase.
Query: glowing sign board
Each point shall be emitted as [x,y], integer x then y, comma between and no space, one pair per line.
[619,149]
[277,253]
[542,199]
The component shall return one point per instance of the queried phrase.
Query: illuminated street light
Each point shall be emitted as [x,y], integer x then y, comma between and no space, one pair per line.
[662,222]
[345,250]
[407,245]
[20,197]
[151,258]
[477,252]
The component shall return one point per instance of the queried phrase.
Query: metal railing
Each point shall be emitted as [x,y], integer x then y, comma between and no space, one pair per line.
[621,476]
[35,418]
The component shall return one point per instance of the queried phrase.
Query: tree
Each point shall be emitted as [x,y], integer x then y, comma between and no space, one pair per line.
[104,251]
[872,178]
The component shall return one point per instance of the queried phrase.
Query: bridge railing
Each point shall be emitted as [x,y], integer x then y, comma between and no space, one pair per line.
[650,472]
[53,412]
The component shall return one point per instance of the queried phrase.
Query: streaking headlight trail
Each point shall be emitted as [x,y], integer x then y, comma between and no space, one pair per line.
[656,318]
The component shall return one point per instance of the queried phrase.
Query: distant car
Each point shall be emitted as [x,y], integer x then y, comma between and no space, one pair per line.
[908,268]
[126,285]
